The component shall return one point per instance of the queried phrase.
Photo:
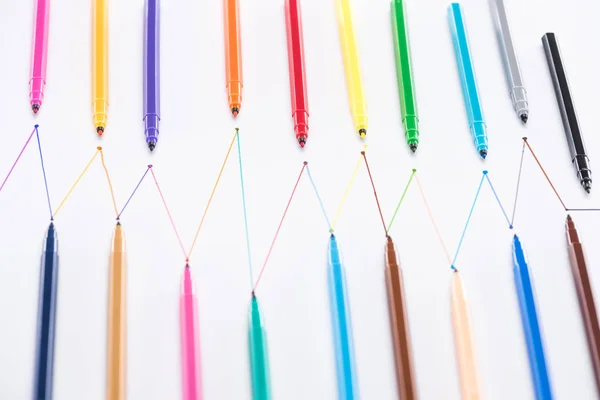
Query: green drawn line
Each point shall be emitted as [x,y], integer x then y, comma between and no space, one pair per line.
[402,198]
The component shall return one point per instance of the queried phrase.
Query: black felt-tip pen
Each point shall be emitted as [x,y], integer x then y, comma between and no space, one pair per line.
[567,111]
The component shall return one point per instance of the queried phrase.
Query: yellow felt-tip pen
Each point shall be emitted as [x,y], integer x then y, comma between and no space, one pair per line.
[100,64]
[356,93]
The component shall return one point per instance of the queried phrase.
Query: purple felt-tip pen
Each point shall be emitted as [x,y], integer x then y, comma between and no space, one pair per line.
[151,73]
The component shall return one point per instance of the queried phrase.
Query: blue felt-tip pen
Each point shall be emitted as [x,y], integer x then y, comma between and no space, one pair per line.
[531,325]
[467,79]
[341,325]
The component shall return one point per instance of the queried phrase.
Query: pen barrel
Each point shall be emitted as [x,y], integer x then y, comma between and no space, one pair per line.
[512,70]
[342,327]
[405,375]
[117,319]
[356,95]
[190,348]
[259,357]
[532,331]
[295,47]
[587,305]
[563,95]
[46,323]
[467,76]
[100,62]
[406,90]
[39,53]
[463,341]
[233,53]
[152,70]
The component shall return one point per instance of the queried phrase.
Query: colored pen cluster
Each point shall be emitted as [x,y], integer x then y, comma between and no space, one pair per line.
[347,378]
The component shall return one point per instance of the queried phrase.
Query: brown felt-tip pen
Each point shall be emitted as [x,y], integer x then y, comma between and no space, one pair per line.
[585,296]
[405,375]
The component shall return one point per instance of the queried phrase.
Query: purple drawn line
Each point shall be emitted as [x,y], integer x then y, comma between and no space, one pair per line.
[134,190]
[37,135]
[17,160]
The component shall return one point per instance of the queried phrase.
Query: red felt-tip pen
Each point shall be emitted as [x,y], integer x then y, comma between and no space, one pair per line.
[295,45]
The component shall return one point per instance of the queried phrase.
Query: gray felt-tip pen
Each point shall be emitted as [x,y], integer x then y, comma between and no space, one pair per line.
[516,87]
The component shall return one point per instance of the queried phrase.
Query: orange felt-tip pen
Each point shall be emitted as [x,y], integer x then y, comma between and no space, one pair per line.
[233,55]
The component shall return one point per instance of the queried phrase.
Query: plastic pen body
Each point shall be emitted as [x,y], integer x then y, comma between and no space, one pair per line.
[191,372]
[463,341]
[295,46]
[531,325]
[406,86]
[575,141]
[152,72]
[46,324]
[405,372]
[259,355]
[356,92]
[39,54]
[467,79]
[341,325]
[585,296]
[518,94]
[117,336]
[233,55]
[100,64]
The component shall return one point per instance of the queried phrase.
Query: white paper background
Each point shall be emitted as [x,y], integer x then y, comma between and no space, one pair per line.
[196,129]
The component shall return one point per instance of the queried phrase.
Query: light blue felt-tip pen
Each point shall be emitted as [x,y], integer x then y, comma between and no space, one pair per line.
[531,325]
[467,79]
[341,325]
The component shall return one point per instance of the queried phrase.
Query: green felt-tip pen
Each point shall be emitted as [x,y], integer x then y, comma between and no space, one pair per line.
[406,86]
[259,356]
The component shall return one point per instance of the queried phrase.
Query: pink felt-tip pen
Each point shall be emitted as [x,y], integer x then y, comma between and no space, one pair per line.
[39,54]
[190,343]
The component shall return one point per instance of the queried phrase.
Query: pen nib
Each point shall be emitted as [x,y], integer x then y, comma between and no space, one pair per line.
[235,111]
[35,108]
[524,118]
[483,154]
[362,133]
[100,130]
[413,147]
[587,185]
[151,145]
[302,141]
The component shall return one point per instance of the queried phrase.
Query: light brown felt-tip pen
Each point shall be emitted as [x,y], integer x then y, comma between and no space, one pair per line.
[115,365]
[405,373]
[463,341]
[585,296]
